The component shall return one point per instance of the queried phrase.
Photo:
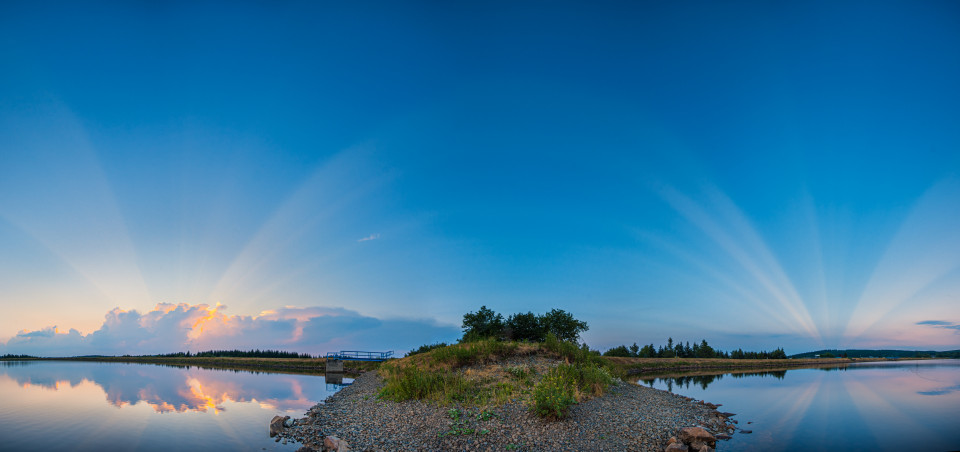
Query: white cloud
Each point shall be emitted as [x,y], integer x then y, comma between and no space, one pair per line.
[170,328]
[369,237]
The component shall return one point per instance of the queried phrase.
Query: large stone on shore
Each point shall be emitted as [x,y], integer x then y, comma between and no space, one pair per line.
[276,425]
[677,447]
[697,445]
[334,444]
[331,443]
[690,435]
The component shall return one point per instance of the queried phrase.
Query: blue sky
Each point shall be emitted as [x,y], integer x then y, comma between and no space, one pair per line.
[757,175]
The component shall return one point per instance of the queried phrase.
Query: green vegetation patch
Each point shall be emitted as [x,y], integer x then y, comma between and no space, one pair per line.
[566,385]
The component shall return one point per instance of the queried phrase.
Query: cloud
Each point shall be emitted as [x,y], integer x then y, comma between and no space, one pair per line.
[369,237]
[170,328]
[940,324]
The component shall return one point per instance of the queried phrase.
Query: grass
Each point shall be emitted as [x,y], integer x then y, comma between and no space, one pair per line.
[472,374]
[469,374]
[566,385]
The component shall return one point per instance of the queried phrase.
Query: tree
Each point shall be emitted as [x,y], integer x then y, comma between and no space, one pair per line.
[620,350]
[525,327]
[705,350]
[482,324]
[563,325]
[634,350]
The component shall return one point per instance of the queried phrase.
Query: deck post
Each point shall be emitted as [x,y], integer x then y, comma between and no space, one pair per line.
[334,365]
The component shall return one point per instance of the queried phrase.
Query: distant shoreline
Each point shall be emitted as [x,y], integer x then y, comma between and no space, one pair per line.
[652,366]
[312,366]
[628,366]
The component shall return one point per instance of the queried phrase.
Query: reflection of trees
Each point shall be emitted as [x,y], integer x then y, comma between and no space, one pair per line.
[173,388]
[706,380]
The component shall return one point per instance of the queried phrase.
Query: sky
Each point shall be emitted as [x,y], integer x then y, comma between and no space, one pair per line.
[317,176]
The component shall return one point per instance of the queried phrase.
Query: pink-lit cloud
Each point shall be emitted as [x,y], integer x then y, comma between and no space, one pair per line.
[170,328]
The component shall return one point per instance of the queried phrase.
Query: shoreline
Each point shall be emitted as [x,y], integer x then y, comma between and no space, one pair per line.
[628,367]
[311,366]
[627,417]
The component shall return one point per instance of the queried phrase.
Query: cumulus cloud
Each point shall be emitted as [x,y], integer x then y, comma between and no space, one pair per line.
[169,328]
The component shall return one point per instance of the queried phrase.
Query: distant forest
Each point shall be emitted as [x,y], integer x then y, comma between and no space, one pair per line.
[879,354]
[681,350]
[17,357]
[237,354]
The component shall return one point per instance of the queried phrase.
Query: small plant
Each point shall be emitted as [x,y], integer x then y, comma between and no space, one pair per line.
[485,415]
[454,414]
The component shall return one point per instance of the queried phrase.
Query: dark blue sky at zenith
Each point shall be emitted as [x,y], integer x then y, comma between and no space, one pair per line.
[751,173]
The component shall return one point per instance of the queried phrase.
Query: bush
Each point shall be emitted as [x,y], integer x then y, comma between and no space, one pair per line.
[482,324]
[554,394]
[567,384]
[426,348]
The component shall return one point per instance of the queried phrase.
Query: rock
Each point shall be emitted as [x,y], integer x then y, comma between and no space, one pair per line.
[697,445]
[676,447]
[691,434]
[705,448]
[672,440]
[331,443]
[277,425]
[746,431]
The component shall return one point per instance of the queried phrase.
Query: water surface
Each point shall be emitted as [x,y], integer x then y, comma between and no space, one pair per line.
[63,405]
[893,405]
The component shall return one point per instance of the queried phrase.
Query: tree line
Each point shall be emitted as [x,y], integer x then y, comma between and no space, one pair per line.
[9,356]
[485,323]
[530,327]
[237,354]
[681,350]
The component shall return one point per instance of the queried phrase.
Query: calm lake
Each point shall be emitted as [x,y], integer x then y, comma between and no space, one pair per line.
[78,406]
[896,406]
[60,405]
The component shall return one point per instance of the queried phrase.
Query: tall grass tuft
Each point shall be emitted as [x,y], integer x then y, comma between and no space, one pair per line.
[481,351]
[567,384]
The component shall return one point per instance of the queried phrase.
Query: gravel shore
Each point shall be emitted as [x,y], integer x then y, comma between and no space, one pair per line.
[627,417]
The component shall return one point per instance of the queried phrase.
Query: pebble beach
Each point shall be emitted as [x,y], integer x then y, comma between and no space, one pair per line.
[627,417]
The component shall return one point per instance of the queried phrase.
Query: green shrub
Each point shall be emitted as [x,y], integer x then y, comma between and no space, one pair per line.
[426,348]
[554,394]
[565,385]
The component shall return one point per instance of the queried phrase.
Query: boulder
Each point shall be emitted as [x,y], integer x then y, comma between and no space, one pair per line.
[676,447]
[331,443]
[691,434]
[705,448]
[697,445]
[334,444]
[277,425]
[672,440]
